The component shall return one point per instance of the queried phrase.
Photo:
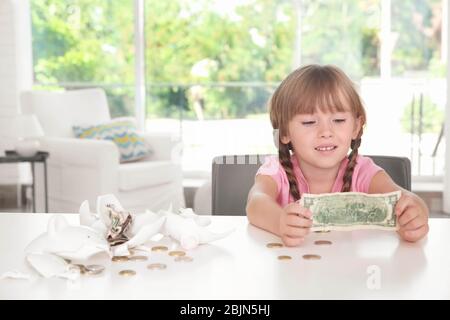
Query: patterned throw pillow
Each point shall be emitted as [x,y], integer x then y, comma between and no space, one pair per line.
[123,132]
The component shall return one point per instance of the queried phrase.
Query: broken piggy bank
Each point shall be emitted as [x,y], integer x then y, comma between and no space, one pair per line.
[47,253]
[142,228]
[191,229]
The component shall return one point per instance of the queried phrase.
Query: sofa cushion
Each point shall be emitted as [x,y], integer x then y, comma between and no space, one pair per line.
[121,131]
[144,174]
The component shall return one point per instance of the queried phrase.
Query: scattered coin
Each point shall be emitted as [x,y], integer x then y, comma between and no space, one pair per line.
[311,257]
[137,258]
[274,245]
[119,258]
[322,242]
[157,266]
[127,273]
[322,231]
[284,257]
[177,253]
[93,269]
[160,248]
[184,259]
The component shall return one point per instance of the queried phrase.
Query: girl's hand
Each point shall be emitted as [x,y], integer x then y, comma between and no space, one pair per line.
[412,217]
[295,224]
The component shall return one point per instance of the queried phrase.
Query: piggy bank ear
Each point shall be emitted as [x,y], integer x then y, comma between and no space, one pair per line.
[56,224]
[84,208]
[86,217]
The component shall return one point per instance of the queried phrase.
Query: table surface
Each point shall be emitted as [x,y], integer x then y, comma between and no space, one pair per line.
[364,264]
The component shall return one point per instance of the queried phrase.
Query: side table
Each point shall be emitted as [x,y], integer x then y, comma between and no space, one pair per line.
[41,156]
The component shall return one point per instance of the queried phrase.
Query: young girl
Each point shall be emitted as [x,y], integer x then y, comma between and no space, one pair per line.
[317,115]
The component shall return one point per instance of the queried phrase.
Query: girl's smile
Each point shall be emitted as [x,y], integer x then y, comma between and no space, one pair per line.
[326,148]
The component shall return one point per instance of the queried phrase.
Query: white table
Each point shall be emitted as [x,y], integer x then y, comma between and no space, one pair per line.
[242,267]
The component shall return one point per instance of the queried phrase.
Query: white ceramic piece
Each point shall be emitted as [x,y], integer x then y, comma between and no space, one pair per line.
[49,265]
[70,242]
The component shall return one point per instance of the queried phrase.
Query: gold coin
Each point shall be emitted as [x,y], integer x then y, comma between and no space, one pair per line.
[274,245]
[157,266]
[284,257]
[160,248]
[127,273]
[322,242]
[137,258]
[322,231]
[94,269]
[311,257]
[119,258]
[177,253]
[184,259]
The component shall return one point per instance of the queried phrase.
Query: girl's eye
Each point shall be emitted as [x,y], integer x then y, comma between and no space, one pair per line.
[339,120]
[307,123]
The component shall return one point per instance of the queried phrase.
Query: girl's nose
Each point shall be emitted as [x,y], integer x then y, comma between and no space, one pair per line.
[325,130]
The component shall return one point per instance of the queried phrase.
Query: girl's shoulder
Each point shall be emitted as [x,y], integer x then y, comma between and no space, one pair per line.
[365,162]
[271,166]
[363,173]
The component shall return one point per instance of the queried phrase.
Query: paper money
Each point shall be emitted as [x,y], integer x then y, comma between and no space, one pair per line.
[349,211]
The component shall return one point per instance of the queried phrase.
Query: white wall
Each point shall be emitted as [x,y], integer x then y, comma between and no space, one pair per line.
[15,70]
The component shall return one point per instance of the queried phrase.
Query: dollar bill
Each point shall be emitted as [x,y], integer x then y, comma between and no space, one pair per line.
[349,211]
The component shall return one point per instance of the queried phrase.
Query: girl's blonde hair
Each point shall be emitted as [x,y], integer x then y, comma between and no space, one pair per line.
[302,92]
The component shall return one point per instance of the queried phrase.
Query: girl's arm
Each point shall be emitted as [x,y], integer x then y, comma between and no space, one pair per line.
[291,223]
[262,209]
[411,210]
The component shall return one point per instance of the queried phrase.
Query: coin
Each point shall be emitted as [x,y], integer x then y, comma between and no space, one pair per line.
[184,259]
[322,231]
[322,242]
[284,257]
[127,273]
[311,257]
[177,253]
[157,266]
[160,248]
[274,245]
[137,258]
[119,258]
[94,269]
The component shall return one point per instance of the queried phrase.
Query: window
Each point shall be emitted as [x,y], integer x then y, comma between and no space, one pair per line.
[85,43]
[211,66]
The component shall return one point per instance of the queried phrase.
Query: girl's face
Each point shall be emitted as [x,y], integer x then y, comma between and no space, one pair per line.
[322,139]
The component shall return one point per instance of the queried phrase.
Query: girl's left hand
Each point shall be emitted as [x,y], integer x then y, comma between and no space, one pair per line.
[412,217]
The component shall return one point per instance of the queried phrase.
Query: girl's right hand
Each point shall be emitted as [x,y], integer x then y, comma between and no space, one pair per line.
[295,224]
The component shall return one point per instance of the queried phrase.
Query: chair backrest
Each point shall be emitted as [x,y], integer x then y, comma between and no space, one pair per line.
[57,112]
[233,176]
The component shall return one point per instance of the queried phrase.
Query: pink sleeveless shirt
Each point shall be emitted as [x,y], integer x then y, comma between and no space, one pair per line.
[363,173]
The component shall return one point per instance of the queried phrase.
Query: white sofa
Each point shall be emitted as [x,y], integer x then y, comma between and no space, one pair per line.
[82,169]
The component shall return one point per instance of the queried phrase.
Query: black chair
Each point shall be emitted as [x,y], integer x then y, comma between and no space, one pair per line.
[233,176]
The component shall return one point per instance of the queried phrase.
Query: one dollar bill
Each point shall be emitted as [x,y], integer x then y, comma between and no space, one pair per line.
[349,211]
